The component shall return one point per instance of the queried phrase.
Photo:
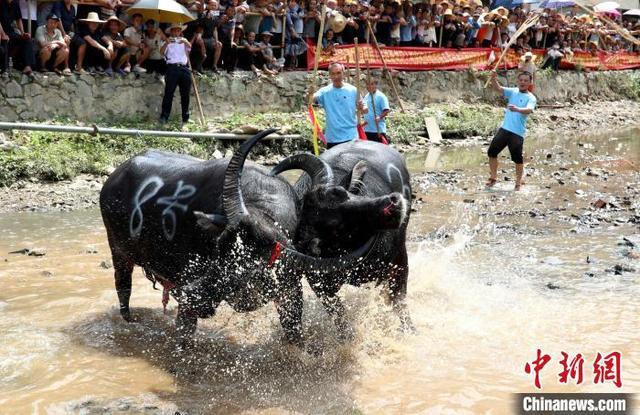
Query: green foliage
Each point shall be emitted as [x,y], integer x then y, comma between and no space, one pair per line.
[457,120]
[60,156]
[631,87]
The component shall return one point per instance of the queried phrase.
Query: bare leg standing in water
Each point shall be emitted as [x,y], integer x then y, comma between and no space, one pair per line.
[511,134]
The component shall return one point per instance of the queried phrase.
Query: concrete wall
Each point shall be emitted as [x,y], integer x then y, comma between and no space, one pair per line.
[87,98]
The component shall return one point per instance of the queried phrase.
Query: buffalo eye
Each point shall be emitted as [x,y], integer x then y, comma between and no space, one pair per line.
[337,194]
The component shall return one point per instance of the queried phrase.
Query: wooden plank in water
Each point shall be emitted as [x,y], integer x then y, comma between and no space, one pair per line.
[431,161]
[433,130]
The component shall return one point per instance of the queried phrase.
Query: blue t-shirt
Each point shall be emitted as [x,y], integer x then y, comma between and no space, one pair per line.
[340,109]
[515,121]
[381,104]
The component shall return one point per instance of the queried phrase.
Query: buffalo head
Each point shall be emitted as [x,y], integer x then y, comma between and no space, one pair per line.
[335,219]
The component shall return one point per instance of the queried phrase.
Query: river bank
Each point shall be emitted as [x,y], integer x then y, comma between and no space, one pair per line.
[46,171]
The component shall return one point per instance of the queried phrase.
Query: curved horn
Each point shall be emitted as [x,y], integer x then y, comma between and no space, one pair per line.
[319,171]
[232,201]
[333,264]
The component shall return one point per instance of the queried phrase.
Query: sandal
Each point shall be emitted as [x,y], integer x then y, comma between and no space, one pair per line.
[66,72]
[491,182]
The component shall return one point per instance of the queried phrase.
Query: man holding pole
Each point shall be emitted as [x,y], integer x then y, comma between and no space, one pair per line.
[375,126]
[521,103]
[340,102]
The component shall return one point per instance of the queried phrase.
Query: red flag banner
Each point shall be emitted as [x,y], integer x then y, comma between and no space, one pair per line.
[430,59]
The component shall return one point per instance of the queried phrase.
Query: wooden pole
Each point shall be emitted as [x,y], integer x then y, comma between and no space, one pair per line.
[314,77]
[358,114]
[611,24]
[347,72]
[284,32]
[373,103]
[384,65]
[195,88]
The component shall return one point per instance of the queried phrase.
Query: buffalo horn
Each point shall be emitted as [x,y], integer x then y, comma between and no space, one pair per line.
[319,171]
[232,201]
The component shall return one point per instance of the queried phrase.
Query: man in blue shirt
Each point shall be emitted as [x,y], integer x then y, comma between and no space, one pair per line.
[521,103]
[339,103]
[375,126]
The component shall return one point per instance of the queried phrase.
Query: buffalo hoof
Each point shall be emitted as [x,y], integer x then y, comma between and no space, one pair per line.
[126,314]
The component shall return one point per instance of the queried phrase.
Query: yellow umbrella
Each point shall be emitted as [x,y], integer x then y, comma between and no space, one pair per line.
[163,11]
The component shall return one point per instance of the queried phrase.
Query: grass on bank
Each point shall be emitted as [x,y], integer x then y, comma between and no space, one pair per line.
[59,156]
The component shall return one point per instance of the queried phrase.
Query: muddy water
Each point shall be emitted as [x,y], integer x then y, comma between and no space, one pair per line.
[495,275]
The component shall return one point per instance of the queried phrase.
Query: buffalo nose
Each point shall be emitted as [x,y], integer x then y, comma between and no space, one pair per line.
[395,199]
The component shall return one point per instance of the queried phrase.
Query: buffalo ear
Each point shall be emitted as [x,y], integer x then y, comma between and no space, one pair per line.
[210,222]
[357,173]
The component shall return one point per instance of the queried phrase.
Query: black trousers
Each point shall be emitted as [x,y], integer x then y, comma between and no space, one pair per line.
[4,56]
[377,138]
[22,48]
[552,62]
[176,76]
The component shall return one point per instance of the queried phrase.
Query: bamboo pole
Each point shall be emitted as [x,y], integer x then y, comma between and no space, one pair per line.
[314,80]
[284,31]
[384,65]
[526,25]
[195,89]
[314,76]
[347,72]
[373,103]
[358,114]
[611,24]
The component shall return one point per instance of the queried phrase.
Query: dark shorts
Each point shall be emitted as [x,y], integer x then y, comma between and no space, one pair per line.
[377,138]
[504,138]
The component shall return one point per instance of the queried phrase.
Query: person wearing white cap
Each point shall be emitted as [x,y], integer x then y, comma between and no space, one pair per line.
[176,52]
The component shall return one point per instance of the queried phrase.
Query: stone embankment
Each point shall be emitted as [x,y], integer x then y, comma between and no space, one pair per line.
[86,98]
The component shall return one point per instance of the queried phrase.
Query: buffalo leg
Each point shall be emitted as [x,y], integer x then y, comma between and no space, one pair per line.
[397,289]
[123,269]
[186,324]
[289,306]
[335,308]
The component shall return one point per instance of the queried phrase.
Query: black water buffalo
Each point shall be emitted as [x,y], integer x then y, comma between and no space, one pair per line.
[214,231]
[335,218]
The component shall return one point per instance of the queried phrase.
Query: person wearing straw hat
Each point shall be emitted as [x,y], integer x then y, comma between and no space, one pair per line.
[511,133]
[119,52]
[176,52]
[527,64]
[340,105]
[92,50]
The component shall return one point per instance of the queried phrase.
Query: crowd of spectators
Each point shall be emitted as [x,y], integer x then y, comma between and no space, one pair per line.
[268,35]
